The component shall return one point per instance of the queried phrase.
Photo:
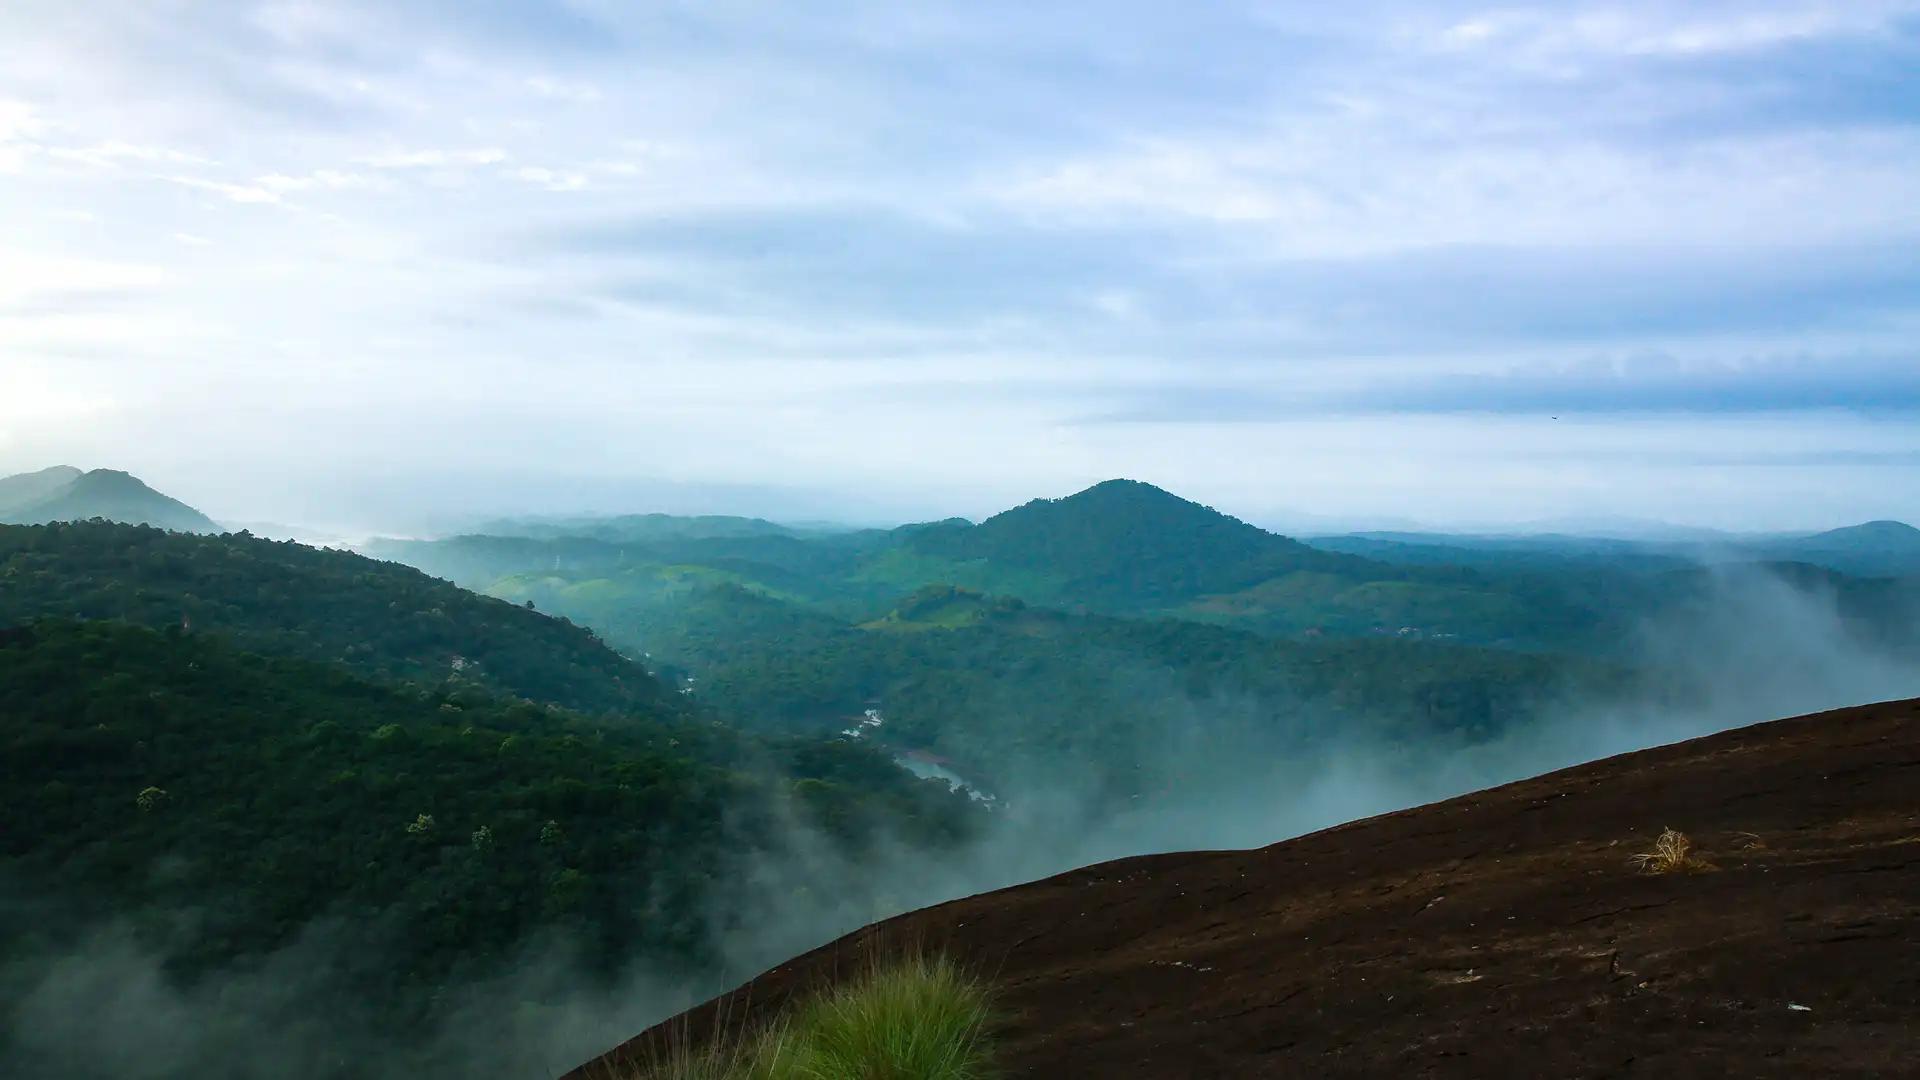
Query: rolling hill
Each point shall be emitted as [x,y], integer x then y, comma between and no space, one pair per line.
[1510,932]
[1870,549]
[1119,548]
[102,493]
[379,618]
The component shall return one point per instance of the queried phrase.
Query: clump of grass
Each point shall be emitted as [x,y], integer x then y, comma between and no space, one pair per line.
[1672,853]
[919,1018]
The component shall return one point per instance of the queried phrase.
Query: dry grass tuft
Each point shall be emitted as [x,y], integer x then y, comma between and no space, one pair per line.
[1671,854]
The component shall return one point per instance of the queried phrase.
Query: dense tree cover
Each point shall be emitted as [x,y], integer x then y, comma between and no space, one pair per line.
[151,774]
[1119,548]
[826,570]
[996,685]
[286,598]
[1141,632]
[1130,544]
[1124,548]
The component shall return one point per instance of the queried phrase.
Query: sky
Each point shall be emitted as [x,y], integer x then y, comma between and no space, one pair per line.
[386,264]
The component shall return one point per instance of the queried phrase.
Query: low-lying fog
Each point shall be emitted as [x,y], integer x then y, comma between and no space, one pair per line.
[1762,650]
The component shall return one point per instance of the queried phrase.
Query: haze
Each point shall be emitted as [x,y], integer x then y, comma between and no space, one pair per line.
[387,265]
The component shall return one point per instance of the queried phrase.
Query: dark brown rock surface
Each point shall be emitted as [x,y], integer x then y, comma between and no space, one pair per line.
[1503,933]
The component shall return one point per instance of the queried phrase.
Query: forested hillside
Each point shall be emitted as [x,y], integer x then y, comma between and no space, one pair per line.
[376,617]
[151,776]
[1000,687]
[1125,543]
[1119,548]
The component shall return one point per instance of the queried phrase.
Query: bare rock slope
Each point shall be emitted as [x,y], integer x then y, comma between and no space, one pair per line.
[1508,932]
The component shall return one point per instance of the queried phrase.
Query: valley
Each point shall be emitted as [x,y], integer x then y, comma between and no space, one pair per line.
[685,541]
[601,769]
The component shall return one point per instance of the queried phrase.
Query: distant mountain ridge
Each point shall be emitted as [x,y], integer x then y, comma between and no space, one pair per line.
[1881,548]
[25,489]
[64,493]
[637,527]
[1872,548]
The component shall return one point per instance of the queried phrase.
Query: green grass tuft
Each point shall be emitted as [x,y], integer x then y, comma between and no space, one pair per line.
[920,1018]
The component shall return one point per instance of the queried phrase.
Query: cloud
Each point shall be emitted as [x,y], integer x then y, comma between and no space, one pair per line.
[321,179]
[1638,384]
[434,158]
[240,193]
[1006,220]
[1539,36]
[552,180]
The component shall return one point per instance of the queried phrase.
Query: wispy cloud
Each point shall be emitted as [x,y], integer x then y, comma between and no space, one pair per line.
[1004,219]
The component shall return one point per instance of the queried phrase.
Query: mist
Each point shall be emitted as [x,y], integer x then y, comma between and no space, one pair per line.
[1753,648]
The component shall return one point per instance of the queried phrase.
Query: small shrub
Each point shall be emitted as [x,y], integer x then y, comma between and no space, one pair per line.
[1672,853]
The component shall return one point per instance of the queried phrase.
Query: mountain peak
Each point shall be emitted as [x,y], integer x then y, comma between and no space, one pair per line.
[1884,526]
[111,494]
[1126,538]
[1121,492]
[1123,485]
[26,488]
[105,481]
[1884,531]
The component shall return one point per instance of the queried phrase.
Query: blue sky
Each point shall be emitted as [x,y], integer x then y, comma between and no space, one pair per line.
[378,263]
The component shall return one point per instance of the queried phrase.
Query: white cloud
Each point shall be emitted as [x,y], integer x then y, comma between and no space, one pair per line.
[1336,187]
[785,247]
[1556,36]
[240,193]
[20,125]
[25,275]
[562,90]
[321,179]
[108,155]
[434,159]
[551,179]
[19,120]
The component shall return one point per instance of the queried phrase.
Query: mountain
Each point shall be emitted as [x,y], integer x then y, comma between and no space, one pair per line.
[1872,549]
[637,527]
[1882,548]
[108,494]
[379,618]
[24,489]
[1128,543]
[1506,933]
